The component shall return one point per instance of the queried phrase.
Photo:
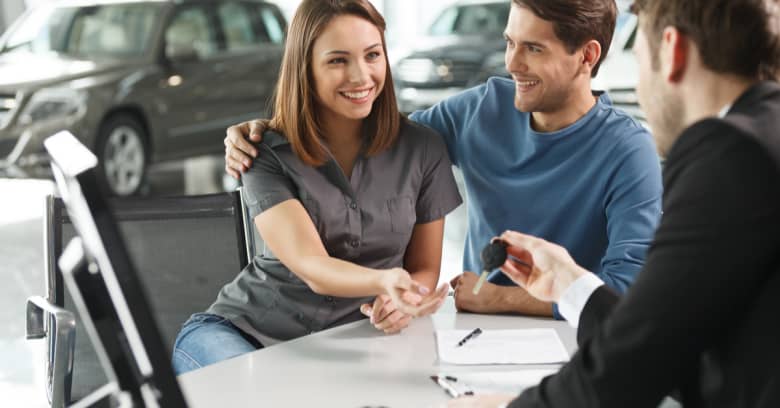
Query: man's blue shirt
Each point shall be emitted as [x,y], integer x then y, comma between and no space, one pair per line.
[593,187]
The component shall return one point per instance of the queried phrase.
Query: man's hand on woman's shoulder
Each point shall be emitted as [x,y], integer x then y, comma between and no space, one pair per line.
[239,151]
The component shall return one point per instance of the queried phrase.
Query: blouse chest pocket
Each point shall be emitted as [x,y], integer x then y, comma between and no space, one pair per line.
[402,214]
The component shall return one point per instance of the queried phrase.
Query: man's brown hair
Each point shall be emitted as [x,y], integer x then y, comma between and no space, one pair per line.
[578,21]
[737,37]
[295,105]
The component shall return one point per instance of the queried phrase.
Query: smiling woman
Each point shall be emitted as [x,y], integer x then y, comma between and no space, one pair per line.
[348,197]
[348,80]
[338,57]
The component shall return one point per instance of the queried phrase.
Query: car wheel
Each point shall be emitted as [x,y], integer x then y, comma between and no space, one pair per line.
[122,154]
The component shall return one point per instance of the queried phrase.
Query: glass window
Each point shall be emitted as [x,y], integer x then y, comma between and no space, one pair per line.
[482,19]
[621,21]
[626,22]
[273,26]
[107,30]
[444,24]
[630,43]
[475,19]
[33,31]
[190,28]
[237,26]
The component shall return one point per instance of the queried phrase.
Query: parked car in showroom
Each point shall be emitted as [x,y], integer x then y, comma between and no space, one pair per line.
[139,82]
[462,48]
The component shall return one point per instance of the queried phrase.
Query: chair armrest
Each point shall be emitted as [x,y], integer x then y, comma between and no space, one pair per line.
[61,329]
[36,323]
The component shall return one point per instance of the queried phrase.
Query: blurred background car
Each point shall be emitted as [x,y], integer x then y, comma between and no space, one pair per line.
[140,82]
[462,48]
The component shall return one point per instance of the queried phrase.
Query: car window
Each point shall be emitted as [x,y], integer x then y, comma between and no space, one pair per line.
[116,30]
[444,24]
[472,19]
[630,43]
[34,30]
[246,25]
[107,30]
[190,28]
[622,20]
[237,26]
[273,26]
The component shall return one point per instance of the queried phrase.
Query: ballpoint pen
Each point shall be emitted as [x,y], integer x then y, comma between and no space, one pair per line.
[446,386]
[474,333]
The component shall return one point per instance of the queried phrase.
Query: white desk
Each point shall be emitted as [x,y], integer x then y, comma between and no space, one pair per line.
[351,366]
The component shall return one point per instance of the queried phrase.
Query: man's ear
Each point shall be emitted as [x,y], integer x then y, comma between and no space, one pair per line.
[591,54]
[674,54]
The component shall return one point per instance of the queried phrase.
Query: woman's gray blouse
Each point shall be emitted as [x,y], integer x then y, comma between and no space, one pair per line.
[367,220]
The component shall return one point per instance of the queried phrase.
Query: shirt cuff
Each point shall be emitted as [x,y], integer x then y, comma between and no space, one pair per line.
[576,297]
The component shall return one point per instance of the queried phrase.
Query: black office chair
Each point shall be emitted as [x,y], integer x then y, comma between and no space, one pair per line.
[184,248]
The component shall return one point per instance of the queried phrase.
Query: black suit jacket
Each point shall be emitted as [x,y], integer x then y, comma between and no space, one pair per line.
[702,321]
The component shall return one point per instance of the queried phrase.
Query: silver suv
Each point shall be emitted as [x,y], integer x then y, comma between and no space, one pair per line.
[137,81]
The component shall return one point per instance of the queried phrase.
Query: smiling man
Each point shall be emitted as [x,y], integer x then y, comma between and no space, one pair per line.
[542,153]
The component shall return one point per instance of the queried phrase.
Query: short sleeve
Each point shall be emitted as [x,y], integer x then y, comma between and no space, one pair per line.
[266,184]
[438,191]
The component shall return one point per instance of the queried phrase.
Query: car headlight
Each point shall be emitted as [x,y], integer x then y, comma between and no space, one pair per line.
[50,104]
[495,65]
[416,70]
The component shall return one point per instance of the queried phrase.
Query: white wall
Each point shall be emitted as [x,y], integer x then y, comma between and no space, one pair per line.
[409,18]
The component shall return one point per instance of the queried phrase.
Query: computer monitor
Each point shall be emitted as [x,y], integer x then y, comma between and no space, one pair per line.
[105,286]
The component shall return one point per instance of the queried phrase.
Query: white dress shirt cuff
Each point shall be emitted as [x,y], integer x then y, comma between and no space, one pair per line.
[576,296]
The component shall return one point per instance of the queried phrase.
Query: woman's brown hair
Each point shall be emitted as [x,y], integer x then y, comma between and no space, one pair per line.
[295,113]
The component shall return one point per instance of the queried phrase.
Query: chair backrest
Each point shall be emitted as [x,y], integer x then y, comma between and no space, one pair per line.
[184,249]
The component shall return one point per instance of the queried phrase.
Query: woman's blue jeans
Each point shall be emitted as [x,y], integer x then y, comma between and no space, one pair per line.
[207,339]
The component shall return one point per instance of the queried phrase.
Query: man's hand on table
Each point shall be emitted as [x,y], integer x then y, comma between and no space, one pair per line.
[487,301]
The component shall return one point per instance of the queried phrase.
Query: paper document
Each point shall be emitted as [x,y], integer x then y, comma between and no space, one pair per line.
[525,346]
[493,382]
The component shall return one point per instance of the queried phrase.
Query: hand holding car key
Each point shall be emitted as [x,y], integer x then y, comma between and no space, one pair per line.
[492,256]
